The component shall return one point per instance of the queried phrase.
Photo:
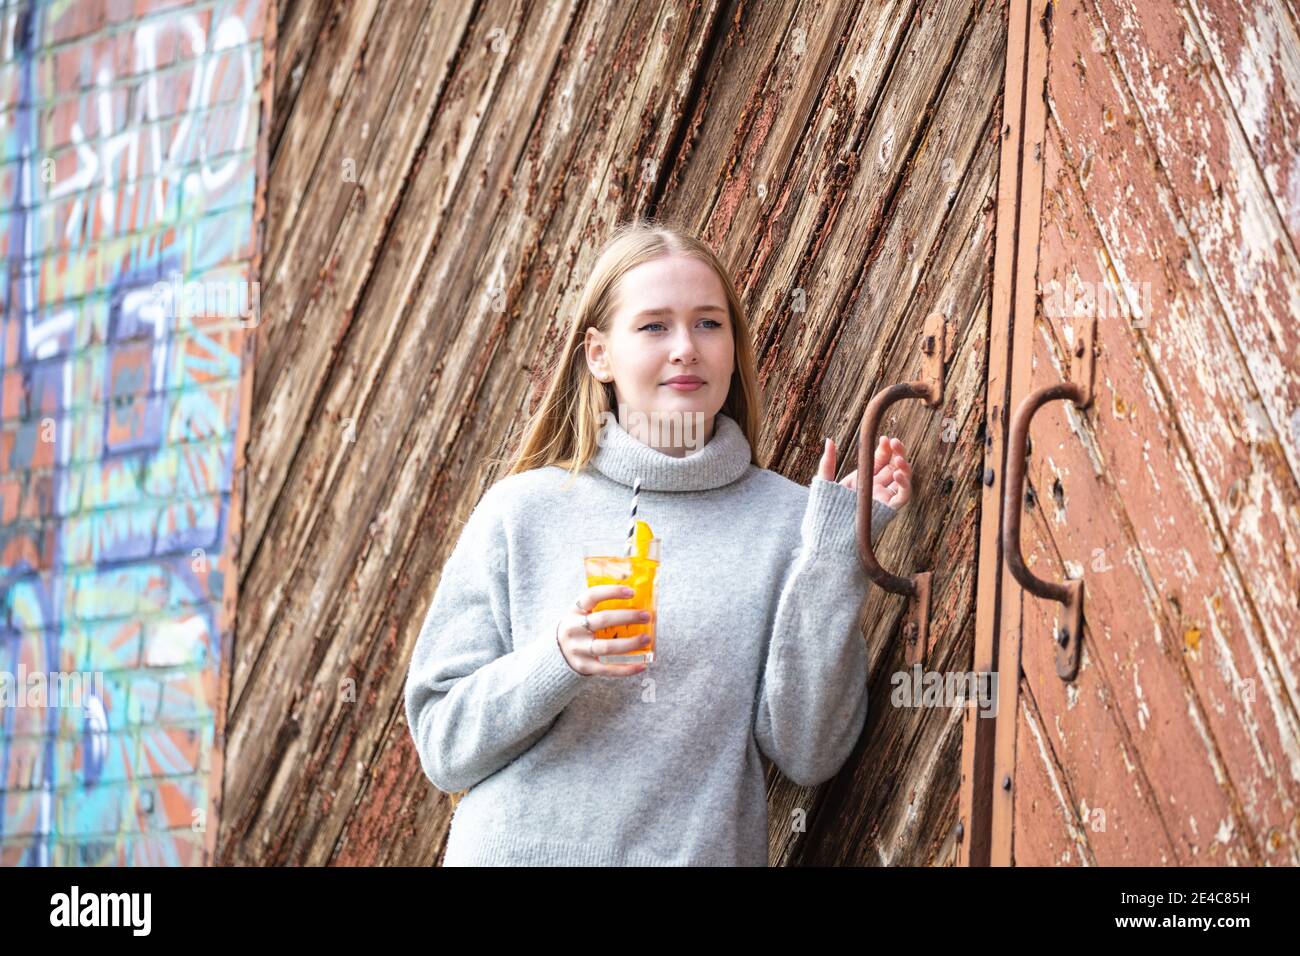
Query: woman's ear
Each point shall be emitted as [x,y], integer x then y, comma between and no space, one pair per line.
[594,349]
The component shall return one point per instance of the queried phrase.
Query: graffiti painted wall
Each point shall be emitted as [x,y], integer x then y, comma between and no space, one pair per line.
[130,140]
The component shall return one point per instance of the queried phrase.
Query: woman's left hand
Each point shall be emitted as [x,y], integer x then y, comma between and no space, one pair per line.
[892,475]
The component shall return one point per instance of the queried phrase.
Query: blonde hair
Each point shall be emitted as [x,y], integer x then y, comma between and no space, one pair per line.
[563,430]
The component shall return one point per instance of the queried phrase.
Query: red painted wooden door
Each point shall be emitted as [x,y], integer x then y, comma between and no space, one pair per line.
[1159,202]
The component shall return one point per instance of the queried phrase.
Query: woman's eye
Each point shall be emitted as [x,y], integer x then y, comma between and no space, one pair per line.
[715,324]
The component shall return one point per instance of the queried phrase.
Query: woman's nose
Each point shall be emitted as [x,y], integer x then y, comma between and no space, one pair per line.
[684,349]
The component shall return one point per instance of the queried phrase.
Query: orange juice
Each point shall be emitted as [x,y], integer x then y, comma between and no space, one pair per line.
[608,563]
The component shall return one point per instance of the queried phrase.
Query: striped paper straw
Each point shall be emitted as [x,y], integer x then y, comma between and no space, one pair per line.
[631,528]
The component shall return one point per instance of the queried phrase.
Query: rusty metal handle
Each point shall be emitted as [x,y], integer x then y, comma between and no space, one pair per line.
[1070,594]
[916,630]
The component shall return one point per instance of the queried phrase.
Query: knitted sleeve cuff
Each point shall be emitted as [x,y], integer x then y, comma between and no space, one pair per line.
[830,519]
[550,676]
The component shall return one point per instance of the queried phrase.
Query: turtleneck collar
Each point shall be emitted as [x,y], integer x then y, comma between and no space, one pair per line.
[721,461]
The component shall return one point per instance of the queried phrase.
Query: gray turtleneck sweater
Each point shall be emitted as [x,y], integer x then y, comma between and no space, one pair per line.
[757,649]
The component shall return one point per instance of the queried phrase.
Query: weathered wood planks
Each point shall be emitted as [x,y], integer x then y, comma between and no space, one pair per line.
[441,176]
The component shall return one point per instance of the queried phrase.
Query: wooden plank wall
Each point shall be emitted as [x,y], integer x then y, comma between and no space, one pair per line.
[441,175]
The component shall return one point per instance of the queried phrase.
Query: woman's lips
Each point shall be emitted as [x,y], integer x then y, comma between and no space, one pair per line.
[685,386]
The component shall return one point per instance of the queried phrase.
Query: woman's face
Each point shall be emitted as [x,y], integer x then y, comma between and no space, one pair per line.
[670,320]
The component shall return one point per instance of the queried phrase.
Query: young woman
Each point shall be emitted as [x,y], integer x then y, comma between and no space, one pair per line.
[565,759]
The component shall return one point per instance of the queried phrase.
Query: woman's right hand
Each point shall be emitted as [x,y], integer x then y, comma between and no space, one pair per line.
[583,650]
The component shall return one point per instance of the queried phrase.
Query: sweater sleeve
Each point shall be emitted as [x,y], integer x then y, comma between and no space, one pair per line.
[473,703]
[812,696]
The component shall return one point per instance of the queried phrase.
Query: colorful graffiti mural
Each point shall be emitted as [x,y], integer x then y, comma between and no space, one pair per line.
[129,132]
